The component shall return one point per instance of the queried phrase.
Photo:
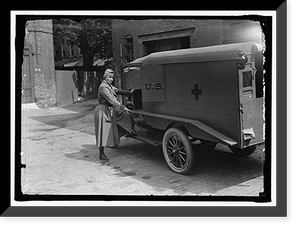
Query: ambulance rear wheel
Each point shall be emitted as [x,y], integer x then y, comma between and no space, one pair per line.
[178,151]
[243,152]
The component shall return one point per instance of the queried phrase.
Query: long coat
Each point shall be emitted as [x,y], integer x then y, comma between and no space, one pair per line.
[110,115]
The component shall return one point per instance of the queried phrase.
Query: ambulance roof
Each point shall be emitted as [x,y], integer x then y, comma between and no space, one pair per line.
[210,53]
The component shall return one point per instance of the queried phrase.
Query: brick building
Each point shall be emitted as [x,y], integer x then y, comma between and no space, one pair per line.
[38,70]
[137,38]
[41,82]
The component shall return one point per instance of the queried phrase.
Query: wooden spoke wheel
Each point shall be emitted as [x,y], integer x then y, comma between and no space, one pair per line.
[178,151]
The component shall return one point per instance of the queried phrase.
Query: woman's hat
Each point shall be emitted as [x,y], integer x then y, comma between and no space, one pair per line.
[108,72]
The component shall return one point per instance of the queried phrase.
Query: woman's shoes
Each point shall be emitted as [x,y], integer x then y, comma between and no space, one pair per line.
[102,156]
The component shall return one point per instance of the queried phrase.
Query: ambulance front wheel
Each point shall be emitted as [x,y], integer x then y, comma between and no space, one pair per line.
[178,151]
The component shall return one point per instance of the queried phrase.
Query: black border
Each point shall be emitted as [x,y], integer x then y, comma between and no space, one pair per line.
[265,196]
[279,210]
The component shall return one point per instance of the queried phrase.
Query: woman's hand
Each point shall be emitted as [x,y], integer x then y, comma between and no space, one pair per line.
[132,91]
[128,110]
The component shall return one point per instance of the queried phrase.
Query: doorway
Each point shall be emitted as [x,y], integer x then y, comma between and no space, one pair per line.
[27,75]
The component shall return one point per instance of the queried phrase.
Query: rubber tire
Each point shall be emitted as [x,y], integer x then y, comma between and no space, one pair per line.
[243,152]
[189,153]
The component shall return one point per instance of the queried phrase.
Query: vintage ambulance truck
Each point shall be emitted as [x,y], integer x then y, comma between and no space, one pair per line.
[210,95]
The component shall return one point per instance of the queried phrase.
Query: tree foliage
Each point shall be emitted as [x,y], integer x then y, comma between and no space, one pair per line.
[92,36]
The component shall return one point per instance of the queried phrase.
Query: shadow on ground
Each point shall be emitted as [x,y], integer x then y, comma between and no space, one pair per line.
[76,117]
[212,170]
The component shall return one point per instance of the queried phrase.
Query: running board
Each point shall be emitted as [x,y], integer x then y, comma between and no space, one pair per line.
[146,139]
[223,138]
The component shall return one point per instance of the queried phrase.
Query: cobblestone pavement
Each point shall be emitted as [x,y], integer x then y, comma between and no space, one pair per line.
[58,148]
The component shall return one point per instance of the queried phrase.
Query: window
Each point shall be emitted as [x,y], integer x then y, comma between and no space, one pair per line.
[56,53]
[71,49]
[128,45]
[63,51]
[247,79]
[167,44]
[247,84]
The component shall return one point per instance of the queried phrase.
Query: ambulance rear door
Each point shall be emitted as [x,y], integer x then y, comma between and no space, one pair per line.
[250,108]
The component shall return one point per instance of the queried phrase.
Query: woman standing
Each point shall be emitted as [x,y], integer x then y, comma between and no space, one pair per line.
[110,116]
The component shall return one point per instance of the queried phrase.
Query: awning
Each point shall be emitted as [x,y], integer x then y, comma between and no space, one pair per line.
[71,64]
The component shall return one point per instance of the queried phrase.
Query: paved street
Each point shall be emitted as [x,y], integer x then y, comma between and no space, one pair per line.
[58,148]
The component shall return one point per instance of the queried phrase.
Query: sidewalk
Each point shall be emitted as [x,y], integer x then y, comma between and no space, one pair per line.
[61,157]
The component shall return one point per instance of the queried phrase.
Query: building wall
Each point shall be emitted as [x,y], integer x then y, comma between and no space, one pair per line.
[201,33]
[132,79]
[66,87]
[39,34]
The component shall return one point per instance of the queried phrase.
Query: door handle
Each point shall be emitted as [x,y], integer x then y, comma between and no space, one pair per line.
[253,72]
[241,107]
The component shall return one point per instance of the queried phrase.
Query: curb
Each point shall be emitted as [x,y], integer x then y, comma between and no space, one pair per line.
[30,106]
